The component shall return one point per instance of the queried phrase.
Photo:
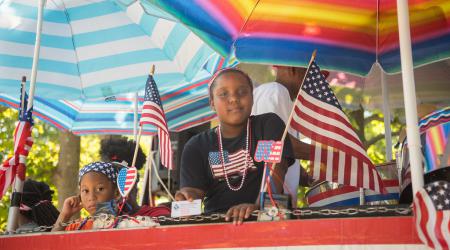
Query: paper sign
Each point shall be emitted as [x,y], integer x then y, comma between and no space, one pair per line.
[186,208]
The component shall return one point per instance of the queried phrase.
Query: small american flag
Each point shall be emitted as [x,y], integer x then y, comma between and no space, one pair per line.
[268,151]
[23,141]
[126,180]
[234,164]
[153,113]
[432,214]
[337,153]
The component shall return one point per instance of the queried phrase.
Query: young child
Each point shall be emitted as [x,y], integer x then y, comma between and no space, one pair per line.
[97,184]
[118,149]
[36,207]
[218,164]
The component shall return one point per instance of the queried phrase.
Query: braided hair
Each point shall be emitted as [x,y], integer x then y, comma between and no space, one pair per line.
[121,149]
[36,204]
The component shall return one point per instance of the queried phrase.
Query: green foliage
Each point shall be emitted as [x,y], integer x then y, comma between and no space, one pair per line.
[41,161]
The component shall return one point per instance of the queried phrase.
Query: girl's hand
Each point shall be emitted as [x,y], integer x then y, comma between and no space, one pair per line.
[189,194]
[72,205]
[240,212]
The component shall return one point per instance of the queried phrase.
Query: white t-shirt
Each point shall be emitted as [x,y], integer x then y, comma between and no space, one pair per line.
[274,97]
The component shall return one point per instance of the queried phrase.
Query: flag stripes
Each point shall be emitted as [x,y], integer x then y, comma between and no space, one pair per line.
[432,214]
[234,163]
[337,154]
[153,113]
[348,195]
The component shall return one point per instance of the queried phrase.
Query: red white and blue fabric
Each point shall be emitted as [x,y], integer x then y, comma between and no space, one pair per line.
[23,141]
[268,151]
[337,153]
[106,168]
[153,113]
[432,214]
[234,164]
[126,180]
[349,196]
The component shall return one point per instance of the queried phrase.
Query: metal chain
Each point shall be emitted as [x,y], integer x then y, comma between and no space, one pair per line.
[216,217]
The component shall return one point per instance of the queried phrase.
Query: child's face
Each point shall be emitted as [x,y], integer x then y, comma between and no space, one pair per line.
[232,98]
[96,188]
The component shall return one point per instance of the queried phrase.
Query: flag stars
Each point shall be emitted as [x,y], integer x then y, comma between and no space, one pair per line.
[434,197]
[441,192]
[447,201]
[440,207]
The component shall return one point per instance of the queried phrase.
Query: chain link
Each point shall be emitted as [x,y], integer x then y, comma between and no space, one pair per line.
[216,217]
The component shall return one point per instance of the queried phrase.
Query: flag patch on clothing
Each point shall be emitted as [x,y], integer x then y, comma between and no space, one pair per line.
[234,164]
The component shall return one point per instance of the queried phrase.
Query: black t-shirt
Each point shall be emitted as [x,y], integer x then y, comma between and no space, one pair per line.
[201,163]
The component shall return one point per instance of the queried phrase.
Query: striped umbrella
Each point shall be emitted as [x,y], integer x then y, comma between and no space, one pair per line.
[95,48]
[185,105]
[349,35]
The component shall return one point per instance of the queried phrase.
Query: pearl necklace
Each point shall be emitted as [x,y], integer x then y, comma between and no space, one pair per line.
[247,139]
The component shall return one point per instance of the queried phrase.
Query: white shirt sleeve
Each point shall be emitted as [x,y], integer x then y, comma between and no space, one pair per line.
[272,97]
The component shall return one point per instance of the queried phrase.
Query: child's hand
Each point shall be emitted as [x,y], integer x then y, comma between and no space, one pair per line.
[71,206]
[240,212]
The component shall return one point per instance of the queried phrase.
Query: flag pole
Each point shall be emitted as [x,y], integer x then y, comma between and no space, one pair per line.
[138,138]
[313,56]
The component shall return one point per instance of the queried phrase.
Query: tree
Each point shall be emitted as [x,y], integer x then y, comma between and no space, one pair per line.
[41,161]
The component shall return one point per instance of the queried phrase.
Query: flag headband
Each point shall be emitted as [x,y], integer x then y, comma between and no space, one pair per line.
[106,168]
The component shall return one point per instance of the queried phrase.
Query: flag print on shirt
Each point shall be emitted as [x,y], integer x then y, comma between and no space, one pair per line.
[234,163]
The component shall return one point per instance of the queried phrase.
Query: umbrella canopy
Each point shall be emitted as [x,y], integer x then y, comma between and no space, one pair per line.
[349,35]
[185,106]
[95,48]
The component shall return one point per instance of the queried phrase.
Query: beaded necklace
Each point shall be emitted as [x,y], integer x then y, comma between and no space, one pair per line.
[247,142]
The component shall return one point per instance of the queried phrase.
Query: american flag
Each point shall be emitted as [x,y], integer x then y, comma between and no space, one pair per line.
[337,153]
[153,113]
[126,180]
[234,163]
[432,214]
[268,151]
[23,141]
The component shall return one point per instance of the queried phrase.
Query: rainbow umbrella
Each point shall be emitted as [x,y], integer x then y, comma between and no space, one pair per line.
[185,105]
[349,35]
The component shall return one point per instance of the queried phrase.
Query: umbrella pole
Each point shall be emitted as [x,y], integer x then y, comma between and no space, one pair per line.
[135,109]
[148,176]
[387,117]
[16,197]
[409,93]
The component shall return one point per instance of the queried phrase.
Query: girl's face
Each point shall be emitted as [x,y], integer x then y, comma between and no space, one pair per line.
[96,188]
[232,98]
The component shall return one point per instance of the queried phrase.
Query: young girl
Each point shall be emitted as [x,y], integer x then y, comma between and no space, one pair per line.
[97,184]
[36,207]
[218,164]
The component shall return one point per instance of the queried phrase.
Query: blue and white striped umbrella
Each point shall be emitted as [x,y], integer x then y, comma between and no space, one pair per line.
[95,48]
[185,106]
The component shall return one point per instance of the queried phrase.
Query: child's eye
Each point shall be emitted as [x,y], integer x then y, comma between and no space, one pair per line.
[222,94]
[100,189]
[84,191]
[243,92]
